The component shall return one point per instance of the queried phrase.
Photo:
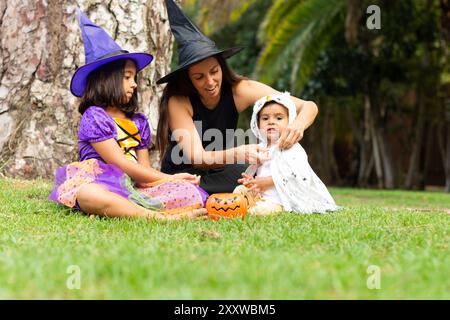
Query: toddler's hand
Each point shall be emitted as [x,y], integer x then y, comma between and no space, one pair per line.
[252,154]
[246,179]
[258,184]
[186,176]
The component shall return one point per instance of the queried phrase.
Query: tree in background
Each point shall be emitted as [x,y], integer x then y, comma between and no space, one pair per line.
[40,48]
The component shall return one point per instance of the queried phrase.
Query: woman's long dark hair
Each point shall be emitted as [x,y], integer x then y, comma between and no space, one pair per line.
[182,86]
[104,88]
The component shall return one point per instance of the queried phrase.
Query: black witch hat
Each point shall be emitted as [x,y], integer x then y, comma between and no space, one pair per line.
[193,45]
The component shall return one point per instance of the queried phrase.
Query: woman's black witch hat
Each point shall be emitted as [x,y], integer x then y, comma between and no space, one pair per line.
[193,45]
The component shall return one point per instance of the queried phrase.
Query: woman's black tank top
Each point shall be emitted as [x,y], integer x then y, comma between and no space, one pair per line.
[215,127]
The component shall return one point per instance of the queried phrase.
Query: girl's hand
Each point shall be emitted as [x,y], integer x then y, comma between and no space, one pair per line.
[290,135]
[195,179]
[252,154]
[144,184]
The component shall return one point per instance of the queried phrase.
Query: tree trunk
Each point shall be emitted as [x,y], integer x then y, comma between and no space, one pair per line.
[327,151]
[443,138]
[445,146]
[447,160]
[381,131]
[386,160]
[352,20]
[376,154]
[419,128]
[40,49]
[415,178]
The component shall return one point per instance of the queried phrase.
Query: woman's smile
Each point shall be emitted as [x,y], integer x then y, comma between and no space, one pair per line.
[212,91]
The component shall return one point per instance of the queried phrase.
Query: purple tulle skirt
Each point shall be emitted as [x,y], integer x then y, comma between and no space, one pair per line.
[166,195]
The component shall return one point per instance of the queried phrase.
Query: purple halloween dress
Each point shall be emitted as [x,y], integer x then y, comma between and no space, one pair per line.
[96,125]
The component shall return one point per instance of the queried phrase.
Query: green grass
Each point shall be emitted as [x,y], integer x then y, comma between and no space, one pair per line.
[405,234]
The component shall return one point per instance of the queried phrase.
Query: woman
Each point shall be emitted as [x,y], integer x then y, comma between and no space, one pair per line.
[204,90]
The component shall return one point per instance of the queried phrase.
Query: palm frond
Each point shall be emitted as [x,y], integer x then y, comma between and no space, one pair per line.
[240,9]
[274,17]
[309,50]
[301,35]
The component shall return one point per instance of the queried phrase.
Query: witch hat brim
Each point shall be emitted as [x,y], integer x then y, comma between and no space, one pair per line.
[193,45]
[100,49]
[224,53]
[79,79]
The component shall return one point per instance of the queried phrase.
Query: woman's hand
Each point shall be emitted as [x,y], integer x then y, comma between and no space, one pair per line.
[188,177]
[292,134]
[252,154]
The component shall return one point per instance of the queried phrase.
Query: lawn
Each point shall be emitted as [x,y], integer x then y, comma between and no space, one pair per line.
[48,252]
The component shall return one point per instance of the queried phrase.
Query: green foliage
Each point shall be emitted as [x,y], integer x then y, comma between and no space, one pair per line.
[296,37]
[392,55]
[274,17]
[278,257]
[301,48]
[243,32]
[243,8]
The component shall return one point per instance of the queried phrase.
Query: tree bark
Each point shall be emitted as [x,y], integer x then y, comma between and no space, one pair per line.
[366,156]
[327,139]
[447,160]
[352,19]
[376,153]
[386,159]
[443,138]
[419,128]
[382,133]
[415,176]
[40,48]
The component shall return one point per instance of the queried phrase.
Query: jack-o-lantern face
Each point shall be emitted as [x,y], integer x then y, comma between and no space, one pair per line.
[226,205]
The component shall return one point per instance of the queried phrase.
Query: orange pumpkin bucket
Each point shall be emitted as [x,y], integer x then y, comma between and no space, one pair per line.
[226,205]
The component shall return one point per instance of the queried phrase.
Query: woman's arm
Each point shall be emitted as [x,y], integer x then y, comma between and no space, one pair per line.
[247,92]
[143,159]
[111,153]
[187,137]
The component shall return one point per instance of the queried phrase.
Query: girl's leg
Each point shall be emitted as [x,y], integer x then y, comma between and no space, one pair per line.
[96,199]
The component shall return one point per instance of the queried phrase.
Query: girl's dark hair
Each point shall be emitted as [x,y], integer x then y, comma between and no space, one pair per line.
[104,88]
[182,86]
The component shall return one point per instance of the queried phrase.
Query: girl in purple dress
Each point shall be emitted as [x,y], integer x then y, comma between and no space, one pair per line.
[113,176]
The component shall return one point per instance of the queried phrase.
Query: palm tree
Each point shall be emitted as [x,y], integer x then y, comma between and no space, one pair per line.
[295,32]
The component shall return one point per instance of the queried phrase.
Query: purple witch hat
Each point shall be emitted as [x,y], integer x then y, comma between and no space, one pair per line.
[100,49]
